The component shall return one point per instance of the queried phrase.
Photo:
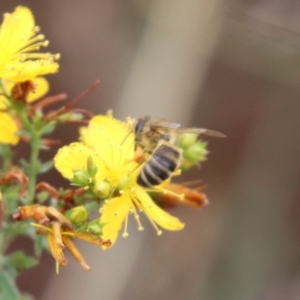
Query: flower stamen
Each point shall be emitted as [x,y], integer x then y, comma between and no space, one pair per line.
[137,218]
[125,233]
[158,231]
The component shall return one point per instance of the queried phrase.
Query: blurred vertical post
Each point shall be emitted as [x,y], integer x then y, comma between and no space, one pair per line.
[258,244]
[171,60]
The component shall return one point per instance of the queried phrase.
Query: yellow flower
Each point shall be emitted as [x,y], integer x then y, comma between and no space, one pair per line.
[111,146]
[8,124]
[8,129]
[19,39]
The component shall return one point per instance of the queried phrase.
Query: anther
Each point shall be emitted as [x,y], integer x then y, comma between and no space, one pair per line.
[125,233]
[159,232]
[40,37]
[141,228]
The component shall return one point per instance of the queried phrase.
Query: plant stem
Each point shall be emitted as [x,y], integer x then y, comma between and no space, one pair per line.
[6,155]
[35,137]
[33,169]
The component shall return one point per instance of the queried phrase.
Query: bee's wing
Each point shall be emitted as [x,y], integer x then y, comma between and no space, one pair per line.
[165,124]
[203,131]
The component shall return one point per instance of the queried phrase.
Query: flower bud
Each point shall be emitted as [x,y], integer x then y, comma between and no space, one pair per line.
[94,227]
[78,214]
[196,152]
[187,139]
[81,178]
[102,189]
[91,167]
[193,155]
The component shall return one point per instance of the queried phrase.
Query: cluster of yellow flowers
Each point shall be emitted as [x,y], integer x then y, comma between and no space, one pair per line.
[19,39]
[101,163]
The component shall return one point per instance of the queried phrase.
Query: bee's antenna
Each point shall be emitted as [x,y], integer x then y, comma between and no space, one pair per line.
[125,138]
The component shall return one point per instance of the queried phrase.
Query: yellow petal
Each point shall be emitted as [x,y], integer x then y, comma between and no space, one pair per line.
[70,158]
[3,102]
[16,29]
[22,71]
[19,41]
[114,213]
[42,88]
[155,213]
[8,129]
[112,140]
[106,130]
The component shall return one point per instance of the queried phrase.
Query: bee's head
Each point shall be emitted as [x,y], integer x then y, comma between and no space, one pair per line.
[139,127]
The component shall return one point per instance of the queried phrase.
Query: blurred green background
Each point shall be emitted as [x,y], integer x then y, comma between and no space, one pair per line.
[231,66]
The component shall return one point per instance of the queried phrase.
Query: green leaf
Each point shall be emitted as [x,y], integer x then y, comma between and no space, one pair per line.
[5,151]
[70,117]
[8,288]
[42,196]
[45,167]
[20,261]
[24,164]
[40,244]
[20,228]
[49,127]
[23,132]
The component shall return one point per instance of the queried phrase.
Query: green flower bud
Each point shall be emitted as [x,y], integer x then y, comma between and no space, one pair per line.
[91,167]
[78,215]
[193,155]
[94,227]
[80,178]
[102,189]
[196,152]
[187,139]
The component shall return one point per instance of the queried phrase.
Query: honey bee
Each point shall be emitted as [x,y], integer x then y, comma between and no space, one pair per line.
[159,139]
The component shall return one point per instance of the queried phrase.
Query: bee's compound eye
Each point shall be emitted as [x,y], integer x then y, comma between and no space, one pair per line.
[139,126]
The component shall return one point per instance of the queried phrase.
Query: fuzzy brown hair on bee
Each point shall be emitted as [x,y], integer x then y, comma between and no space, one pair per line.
[159,139]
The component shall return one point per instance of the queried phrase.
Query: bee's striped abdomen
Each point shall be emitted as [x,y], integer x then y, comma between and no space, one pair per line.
[164,160]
